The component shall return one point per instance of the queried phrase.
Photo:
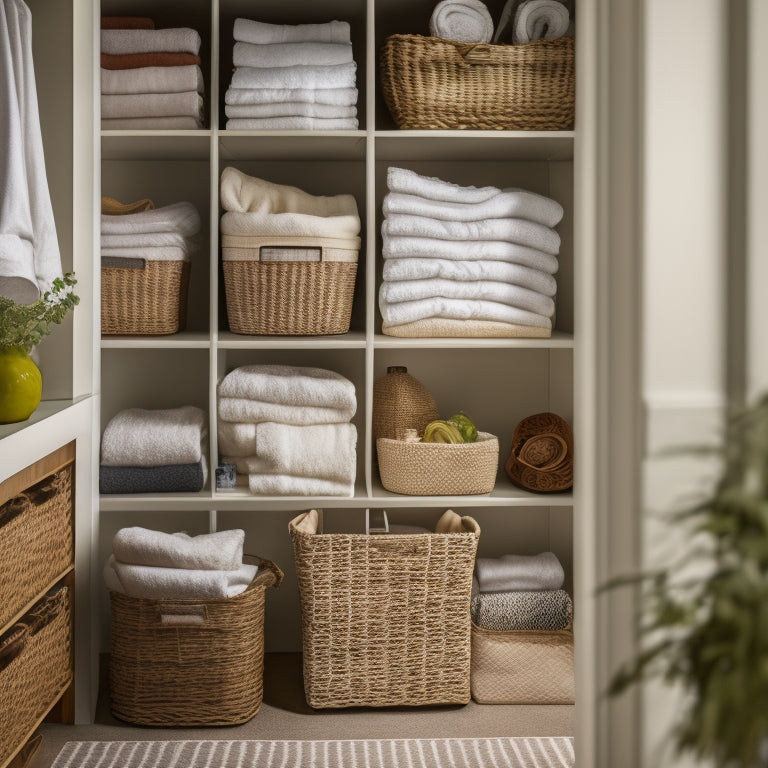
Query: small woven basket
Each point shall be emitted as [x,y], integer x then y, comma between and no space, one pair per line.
[432,83]
[439,469]
[385,618]
[522,667]
[189,662]
[151,301]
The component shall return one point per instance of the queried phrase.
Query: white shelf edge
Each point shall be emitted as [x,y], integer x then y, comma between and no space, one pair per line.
[155,133]
[359,134]
[45,410]
[192,341]
[356,340]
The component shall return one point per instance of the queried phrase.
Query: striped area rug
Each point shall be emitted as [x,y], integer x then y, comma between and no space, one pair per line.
[513,752]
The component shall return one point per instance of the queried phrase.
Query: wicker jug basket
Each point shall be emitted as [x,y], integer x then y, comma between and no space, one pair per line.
[400,402]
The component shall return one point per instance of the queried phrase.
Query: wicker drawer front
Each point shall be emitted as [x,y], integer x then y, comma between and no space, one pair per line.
[35,667]
[36,541]
[519,667]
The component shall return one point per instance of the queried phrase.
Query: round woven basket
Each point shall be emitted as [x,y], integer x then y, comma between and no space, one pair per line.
[400,402]
[439,469]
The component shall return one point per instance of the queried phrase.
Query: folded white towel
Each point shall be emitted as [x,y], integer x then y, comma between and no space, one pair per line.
[137,437]
[325,451]
[483,290]
[291,109]
[458,309]
[411,183]
[519,573]
[287,485]
[187,104]
[443,327]
[178,40]
[177,123]
[150,240]
[510,203]
[411,248]
[221,551]
[310,76]
[260,32]
[539,20]
[160,253]
[243,410]
[342,97]
[178,217]
[293,124]
[291,54]
[154,583]
[520,231]
[152,80]
[467,21]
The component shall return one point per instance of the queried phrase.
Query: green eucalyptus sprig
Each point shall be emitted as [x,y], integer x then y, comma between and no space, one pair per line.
[23,326]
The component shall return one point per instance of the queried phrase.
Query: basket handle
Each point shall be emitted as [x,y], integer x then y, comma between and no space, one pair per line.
[176,615]
[13,645]
[264,252]
[475,53]
[554,462]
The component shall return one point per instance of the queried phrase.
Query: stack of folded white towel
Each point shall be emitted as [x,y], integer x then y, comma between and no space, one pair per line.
[287,428]
[467,261]
[150,78]
[160,234]
[520,592]
[154,451]
[292,77]
[174,566]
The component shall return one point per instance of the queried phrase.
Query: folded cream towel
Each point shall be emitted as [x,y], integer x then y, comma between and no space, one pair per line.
[506,611]
[509,203]
[221,551]
[520,231]
[539,20]
[484,290]
[423,269]
[288,485]
[459,309]
[154,583]
[407,248]
[137,437]
[467,21]
[152,80]
[244,410]
[446,328]
[513,573]
[178,217]
[249,31]
[148,253]
[291,109]
[187,104]
[341,97]
[177,123]
[291,54]
[150,240]
[430,187]
[309,76]
[291,123]
[123,41]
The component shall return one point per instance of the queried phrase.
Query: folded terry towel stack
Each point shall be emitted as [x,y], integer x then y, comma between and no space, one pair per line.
[287,428]
[154,451]
[292,77]
[150,78]
[174,566]
[473,254]
[519,592]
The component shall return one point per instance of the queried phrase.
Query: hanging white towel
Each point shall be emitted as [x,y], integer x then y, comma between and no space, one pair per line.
[249,31]
[291,54]
[342,97]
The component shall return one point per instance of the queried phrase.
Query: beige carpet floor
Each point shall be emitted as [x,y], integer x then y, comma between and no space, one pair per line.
[284,714]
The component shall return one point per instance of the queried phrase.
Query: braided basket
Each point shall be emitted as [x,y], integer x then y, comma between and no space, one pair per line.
[428,82]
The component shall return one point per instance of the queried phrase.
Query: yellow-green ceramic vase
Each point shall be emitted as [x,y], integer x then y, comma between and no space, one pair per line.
[21,385]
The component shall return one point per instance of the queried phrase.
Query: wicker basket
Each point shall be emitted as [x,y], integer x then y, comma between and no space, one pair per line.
[36,667]
[522,667]
[150,301]
[385,618]
[288,297]
[189,662]
[428,82]
[36,541]
[439,469]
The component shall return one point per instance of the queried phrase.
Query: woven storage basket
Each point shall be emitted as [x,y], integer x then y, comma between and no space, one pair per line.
[439,469]
[36,667]
[385,618]
[522,667]
[36,541]
[428,82]
[189,662]
[288,297]
[150,301]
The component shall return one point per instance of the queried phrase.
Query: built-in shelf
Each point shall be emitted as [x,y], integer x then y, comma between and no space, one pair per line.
[559,340]
[183,340]
[45,410]
[352,340]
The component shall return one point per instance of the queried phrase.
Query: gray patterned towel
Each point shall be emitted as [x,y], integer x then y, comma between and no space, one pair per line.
[502,611]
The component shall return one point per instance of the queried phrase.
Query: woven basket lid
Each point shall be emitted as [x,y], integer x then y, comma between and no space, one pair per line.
[400,402]
[541,458]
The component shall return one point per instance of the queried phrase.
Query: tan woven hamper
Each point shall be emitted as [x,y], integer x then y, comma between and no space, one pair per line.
[36,666]
[151,301]
[385,618]
[522,667]
[431,83]
[36,541]
[189,662]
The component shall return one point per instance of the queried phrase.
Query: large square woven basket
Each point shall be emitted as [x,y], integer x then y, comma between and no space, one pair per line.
[189,662]
[385,618]
[432,83]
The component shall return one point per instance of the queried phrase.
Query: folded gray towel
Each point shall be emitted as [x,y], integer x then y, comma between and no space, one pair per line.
[169,478]
[549,610]
[512,573]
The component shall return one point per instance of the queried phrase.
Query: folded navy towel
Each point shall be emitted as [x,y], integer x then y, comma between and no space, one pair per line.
[170,478]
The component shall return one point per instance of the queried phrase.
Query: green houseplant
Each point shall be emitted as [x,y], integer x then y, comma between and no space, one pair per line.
[710,634]
[22,326]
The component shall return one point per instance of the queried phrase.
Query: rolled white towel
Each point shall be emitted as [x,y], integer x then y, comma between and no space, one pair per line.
[290,109]
[292,123]
[309,76]
[152,80]
[249,31]
[288,485]
[178,217]
[220,551]
[187,104]
[467,21]
[148,253]
[176,123]
[342,97]
[291,54]
[177,40]
[411,183]
[539,20]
